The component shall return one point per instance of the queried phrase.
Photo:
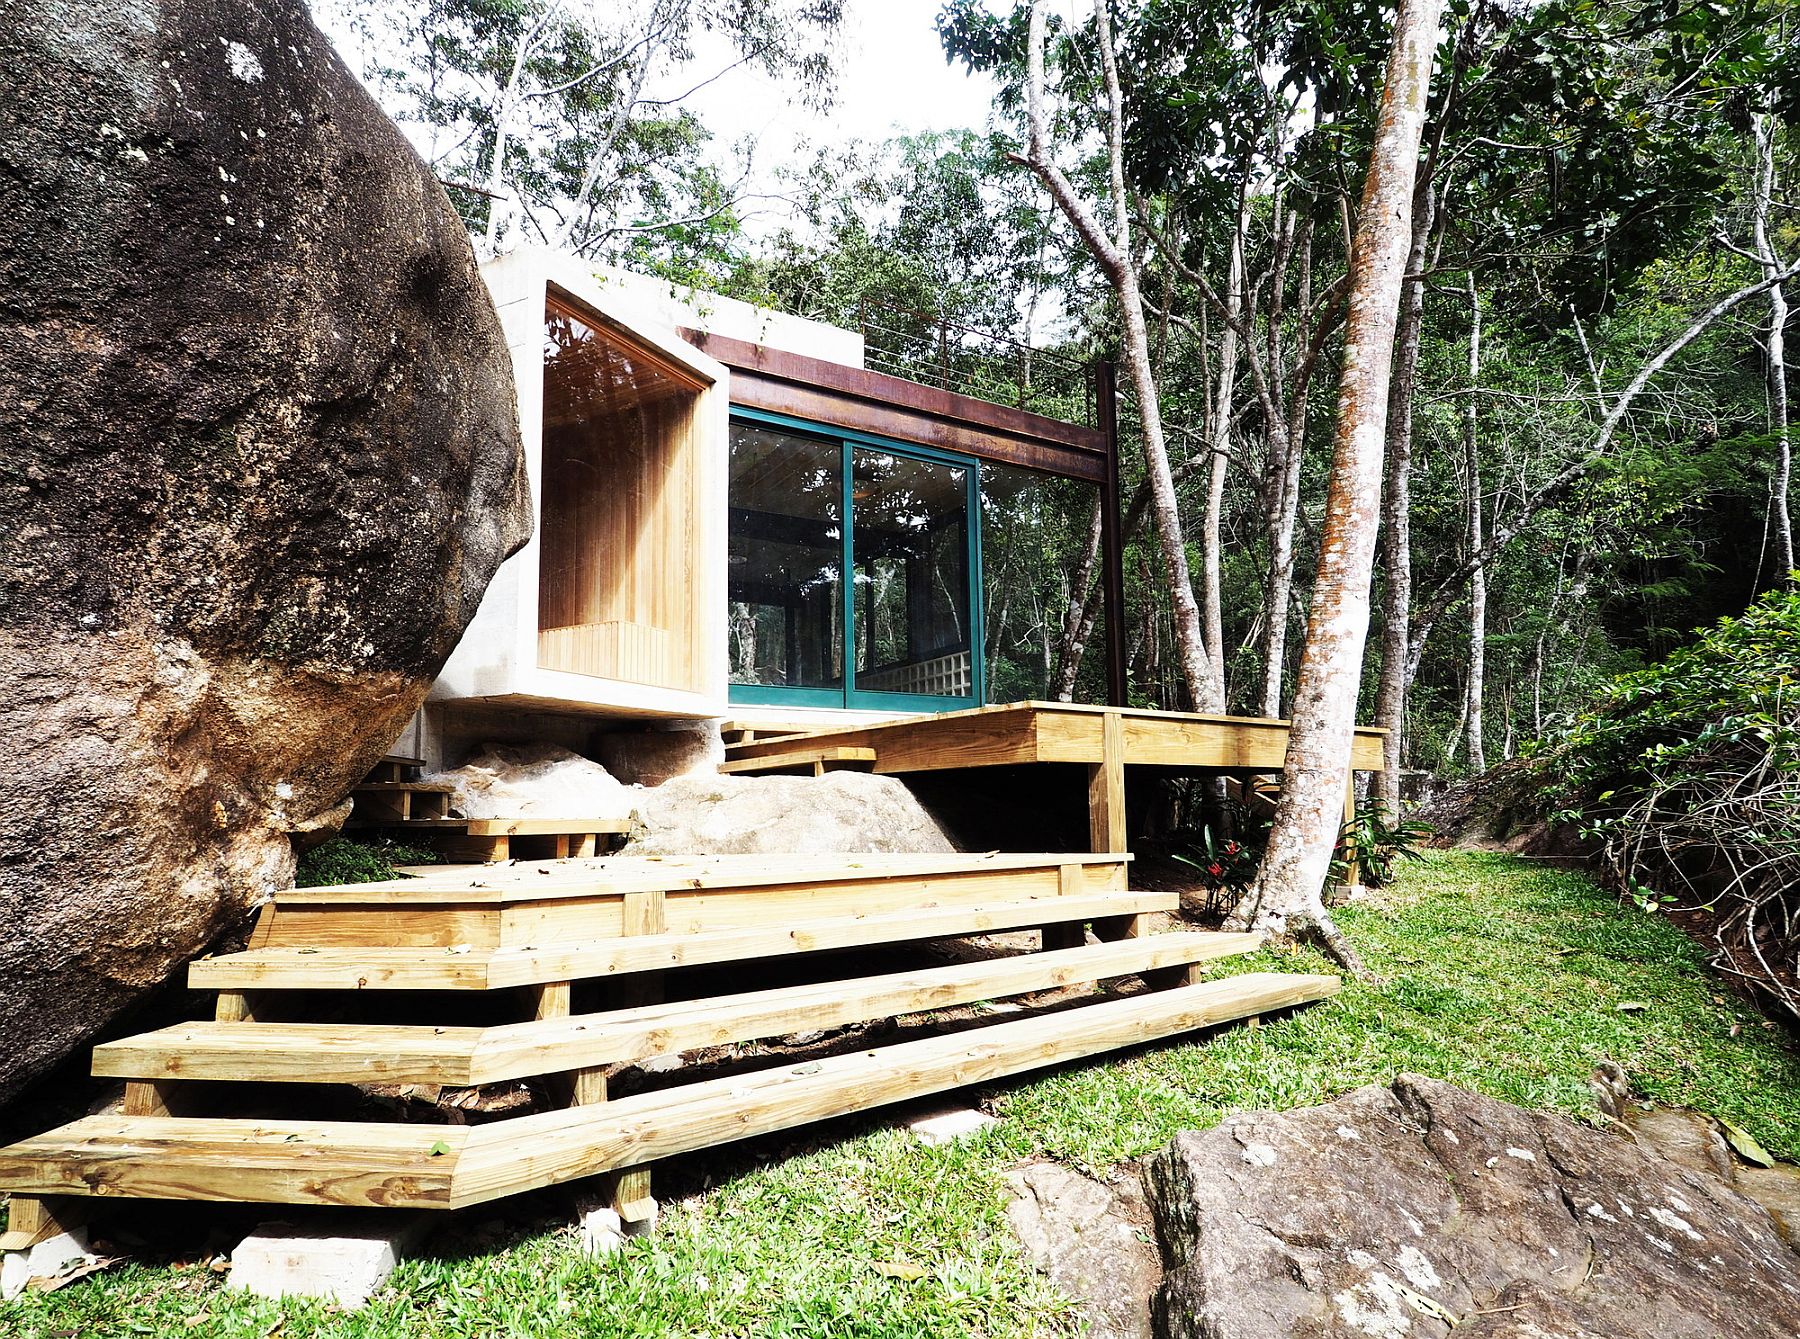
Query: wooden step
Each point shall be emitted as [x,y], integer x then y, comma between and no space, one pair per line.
[446,1167]
[379,803]
[517,827]
[466,1056]
[541,904]
[816,760]
[463,967]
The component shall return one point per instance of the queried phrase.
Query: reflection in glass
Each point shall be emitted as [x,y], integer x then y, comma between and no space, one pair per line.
[911,546]
[1034,534]
[786,559]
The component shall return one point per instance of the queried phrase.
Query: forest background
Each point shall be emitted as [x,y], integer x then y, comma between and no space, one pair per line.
[1588,440]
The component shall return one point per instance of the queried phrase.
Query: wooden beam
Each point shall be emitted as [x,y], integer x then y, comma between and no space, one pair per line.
[817,759]
[1352,875]
[755,364]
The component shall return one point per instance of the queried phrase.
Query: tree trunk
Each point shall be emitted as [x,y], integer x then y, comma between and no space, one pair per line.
[1764,193]
[1083,608]
[1220,445]
[1396,516]
[1285,464]
[1477,578]
[1288,895]
[1114,253]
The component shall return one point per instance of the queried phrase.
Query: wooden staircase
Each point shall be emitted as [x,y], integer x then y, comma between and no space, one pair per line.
[526,945]
[393,800]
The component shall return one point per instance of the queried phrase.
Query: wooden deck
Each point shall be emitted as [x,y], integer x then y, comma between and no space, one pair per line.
[605,932]
[1104,739]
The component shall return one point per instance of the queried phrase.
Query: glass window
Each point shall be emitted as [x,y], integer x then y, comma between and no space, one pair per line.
[910,540]
[1035,531]
[786,559]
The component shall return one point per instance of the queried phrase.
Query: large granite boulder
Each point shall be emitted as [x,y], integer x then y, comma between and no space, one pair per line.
[758,815]
[260,460]
[1420,1210]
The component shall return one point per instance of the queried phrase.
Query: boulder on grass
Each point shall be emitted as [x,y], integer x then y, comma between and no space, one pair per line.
[1422,1210]
[261,461]
[762,815]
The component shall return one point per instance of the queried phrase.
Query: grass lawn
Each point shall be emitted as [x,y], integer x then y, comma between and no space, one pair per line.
[1493,973]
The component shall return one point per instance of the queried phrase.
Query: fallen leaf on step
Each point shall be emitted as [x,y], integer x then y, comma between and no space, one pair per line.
[438,1149]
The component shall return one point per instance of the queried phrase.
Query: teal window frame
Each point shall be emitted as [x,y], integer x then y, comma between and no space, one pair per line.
[849,697]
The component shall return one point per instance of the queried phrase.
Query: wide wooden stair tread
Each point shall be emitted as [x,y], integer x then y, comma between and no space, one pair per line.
[460,967]
[467,1056]
[612,927]
[429,1166]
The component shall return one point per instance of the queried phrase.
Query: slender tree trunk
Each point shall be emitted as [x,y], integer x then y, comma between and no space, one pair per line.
[1116,258]
[1288,895]
[1220,446]
[1478,578]
[1083,608]
[1396,515]
[1285,510]
[1764,193]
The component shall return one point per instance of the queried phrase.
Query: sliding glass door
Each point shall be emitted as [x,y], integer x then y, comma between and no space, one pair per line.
[906,623]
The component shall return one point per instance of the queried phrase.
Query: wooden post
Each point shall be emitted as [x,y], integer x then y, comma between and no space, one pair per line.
[233,1007]
[31,1219]
[1070,880]
[1112,543]
[1106,788]
[587,845]
[147,1097]
[1352,875]
[644,913]
[550,1000]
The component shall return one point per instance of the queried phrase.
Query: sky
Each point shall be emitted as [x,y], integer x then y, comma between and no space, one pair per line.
[893,79]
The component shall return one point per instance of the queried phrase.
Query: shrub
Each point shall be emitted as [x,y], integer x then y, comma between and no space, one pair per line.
[345,860]
[1688,776]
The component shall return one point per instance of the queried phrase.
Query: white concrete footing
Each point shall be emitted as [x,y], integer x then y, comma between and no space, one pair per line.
[947,1126]
[344,1261]
[602,1232]
[46,1260]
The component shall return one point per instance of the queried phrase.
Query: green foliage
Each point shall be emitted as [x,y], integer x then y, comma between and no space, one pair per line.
[1737,684]
[1486,971]
[346,860]
[1688,775]
[1375,847]
[1226,861]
